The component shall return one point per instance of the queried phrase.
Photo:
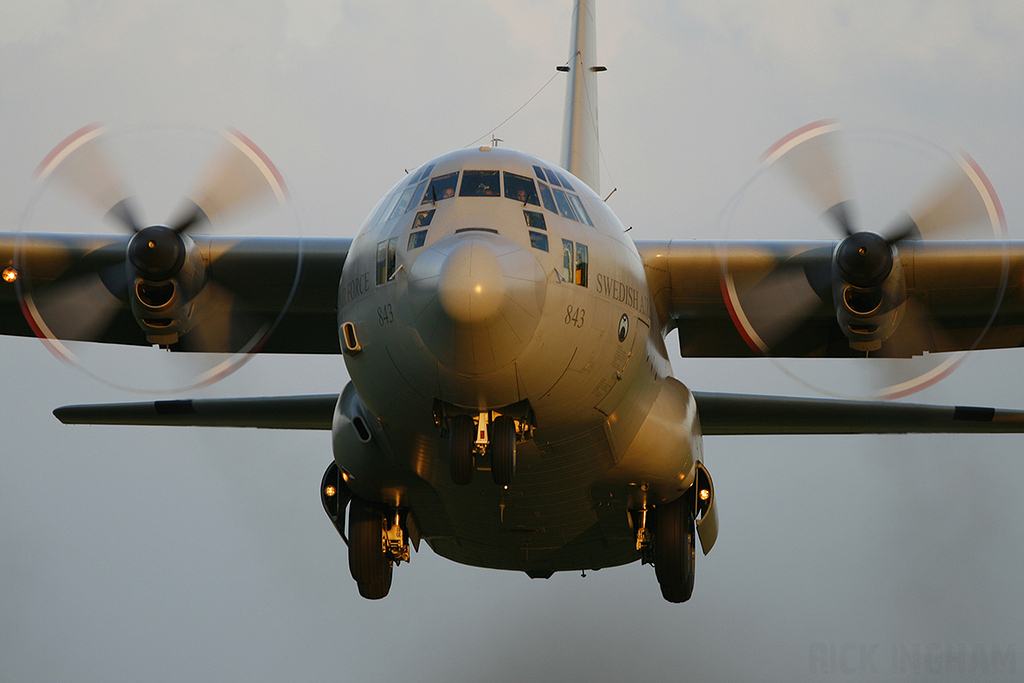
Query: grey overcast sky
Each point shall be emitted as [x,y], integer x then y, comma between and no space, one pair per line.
[133,554]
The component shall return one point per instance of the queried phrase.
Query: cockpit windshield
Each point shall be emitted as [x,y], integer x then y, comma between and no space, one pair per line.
[441,187]
[480,184]
[521,189]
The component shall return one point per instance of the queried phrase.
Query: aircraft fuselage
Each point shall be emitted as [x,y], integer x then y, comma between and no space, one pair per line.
[491,282]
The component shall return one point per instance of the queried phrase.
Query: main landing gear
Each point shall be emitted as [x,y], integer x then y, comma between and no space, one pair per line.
[666,539]
[495,437]
[377,537]
[376,542]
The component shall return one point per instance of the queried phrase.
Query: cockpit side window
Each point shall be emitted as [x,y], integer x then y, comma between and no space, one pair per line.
[387,260]
[568,262]
[423,219]
[538,240]
[480,184]
[535,219]
[521,189]
[575,262]
[441,187]
[582,263]
[417,239]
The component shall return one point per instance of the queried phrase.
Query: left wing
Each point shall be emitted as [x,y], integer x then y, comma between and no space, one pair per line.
[77,289]
[791,299]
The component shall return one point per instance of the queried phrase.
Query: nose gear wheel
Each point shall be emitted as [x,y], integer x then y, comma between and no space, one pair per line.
[461,445]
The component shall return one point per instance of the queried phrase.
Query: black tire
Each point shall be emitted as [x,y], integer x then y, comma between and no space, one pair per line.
[503,450]
[675,553]
[369,564]
[461,441]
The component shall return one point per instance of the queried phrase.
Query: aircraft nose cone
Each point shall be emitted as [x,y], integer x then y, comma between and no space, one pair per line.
[471,286]
[476,300]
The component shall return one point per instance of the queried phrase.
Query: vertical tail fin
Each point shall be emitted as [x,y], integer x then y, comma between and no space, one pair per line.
[580,152]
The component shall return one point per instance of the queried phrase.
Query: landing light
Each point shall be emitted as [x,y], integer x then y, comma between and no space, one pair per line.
[330,491]
[10,274]
[705,494]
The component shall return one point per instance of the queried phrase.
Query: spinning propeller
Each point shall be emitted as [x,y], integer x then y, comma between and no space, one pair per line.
[860,281]
[157,285]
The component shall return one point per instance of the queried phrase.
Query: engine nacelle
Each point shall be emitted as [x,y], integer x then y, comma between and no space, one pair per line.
[869,289]
[165,274]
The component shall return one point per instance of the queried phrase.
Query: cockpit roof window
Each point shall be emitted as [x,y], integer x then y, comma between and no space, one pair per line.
[540,172]
[441,187]
[425,172]
[403,202]
[549,200]
[565,183]
[521,189]
[564,207]
[552,178]
[577,204]
[480,184]
[392,201]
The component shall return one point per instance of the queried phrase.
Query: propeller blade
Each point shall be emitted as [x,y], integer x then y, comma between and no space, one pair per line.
[82,165]
[80,308]
[963,204]
[915,335]
[767,312]
[212,330]
[240,178]
[223,325]
[918,332]
[809,157]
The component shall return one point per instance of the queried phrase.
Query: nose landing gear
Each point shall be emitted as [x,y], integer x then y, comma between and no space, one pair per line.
[503,450]
[486,435]
[461,448]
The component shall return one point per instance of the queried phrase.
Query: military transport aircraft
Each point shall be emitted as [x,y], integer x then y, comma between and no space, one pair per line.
[511,400]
